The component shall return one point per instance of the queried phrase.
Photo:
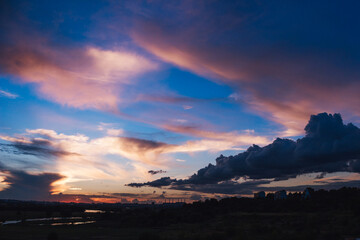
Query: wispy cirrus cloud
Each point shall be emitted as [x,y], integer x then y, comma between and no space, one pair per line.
[236,138]
[8,94]
[284,75]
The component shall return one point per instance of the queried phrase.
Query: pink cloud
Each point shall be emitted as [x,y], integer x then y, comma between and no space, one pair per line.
[81,78]
[77,156]
[284,88]
[236,138]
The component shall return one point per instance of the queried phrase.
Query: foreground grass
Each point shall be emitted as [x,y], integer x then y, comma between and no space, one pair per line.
[232,226]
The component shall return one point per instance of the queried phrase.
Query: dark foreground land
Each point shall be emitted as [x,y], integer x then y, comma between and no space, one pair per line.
[326,215]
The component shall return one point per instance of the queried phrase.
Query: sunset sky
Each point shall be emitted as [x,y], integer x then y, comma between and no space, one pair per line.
[112,101]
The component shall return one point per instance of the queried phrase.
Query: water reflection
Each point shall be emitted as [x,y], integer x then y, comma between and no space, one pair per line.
[71,223]
[67,219]
[11,222]
[94,211]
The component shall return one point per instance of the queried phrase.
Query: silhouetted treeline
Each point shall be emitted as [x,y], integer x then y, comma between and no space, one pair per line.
[344,199]
[326,215]
[41,206]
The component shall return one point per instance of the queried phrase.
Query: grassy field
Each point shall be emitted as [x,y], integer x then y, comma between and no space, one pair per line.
[236,226]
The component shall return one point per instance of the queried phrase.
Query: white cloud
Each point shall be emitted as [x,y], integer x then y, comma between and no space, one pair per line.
[8,94]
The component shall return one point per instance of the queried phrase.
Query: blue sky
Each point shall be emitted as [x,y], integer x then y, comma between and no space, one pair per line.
[94,95]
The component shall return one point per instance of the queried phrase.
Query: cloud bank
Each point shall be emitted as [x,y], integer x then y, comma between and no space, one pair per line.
[328,146]
[114,157]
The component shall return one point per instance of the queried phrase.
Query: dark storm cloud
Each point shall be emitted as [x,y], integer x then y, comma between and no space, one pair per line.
[321,175]
[36,147]
[165,181]
[143,144]
[248,188]
[226,187]
[153,172]
[195,197]
[26,186]
[328,146]
[143,150]
[325,186]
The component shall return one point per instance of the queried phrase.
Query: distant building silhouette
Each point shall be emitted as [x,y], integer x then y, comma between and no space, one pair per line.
[259,195]
[280,195]
[307,193]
